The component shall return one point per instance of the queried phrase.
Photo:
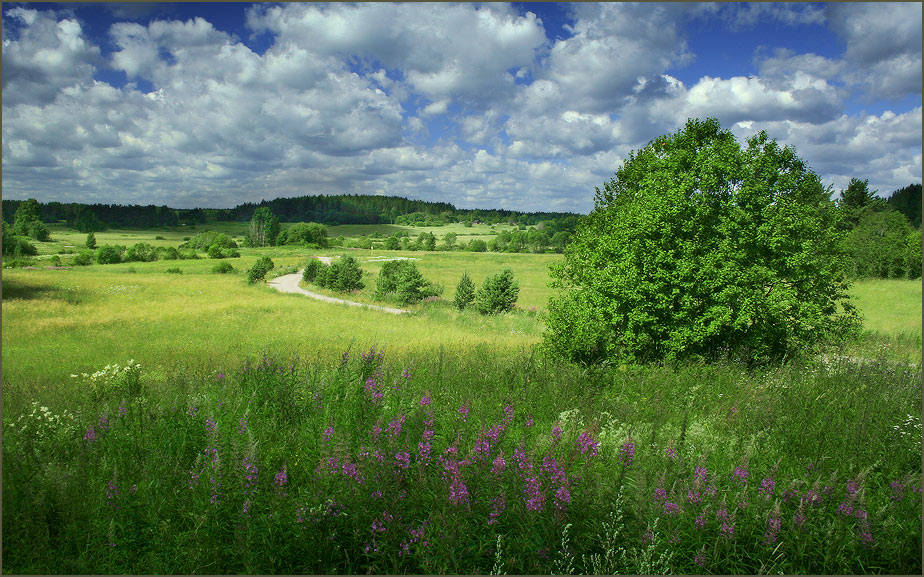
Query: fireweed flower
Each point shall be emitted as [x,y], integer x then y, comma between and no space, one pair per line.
[463,412]
[402,460]
[394,427]
[508,414]
[90,435]
[220,376]
[519,454]
[328,434]
[670,453]
[700,522]
[498,505]
[741,475]
[556,433]
[499,465]
[627,453]
[242,426]
[852,489]
[551,469]
[660,494]
[112,493]
[773,529]
[694,496]
[104,422]
[425,400]
[529,421]
[671,508]
[122,410]
[766,487]
[281,478]
[562,498]
[586,444]
[700,474]
[423,452]
[845,509]
[210,425]
[727,531]
[250,475]
[532,494]
[898,491]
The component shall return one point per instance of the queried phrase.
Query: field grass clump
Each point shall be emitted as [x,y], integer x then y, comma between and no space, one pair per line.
[467,463]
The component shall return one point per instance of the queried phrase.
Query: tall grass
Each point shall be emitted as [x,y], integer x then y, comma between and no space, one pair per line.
[474,462]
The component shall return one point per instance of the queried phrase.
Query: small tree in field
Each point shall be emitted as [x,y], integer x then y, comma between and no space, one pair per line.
[91,241]
[702,249]
[259,269]
[497,294]
[465,292]
[312,267]
[344,275]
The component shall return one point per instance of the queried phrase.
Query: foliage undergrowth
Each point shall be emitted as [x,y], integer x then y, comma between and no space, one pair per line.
[468,463]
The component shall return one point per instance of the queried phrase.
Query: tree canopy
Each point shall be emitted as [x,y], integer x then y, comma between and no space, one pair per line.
[701,249]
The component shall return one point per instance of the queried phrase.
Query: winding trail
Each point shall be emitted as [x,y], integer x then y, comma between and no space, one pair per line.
[289,284]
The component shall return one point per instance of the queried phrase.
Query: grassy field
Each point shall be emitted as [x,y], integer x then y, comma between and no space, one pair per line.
[271,433]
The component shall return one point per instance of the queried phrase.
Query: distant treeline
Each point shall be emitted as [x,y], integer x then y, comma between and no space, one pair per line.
[330,210]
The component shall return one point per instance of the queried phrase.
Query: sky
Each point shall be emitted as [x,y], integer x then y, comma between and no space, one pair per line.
[523,106]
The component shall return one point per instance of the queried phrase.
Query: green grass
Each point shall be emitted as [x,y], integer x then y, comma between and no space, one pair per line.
[817,428]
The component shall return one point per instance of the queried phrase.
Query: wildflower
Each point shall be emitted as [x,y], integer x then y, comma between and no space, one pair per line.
[700,474]
[463,412]
[700,522]
[245,510]
[122,410]
[329,433]
[458,492]
[671,453]
[90,435]
[741,475]
[403,460]
[853,488]
[671,508]
[773,529]
[104,422]
[498,465]
[134,488]
[112,492]
[423,451]
[587,444]
[694,496]
[722,514]
[210,425]
[406,374]
[898,491]
[562,498]
[556,433]
[866,537]
[627,453]
[798,518]
[522,461]
[191,411]
[220,377]
[845,509]
[529,421]
[553,471]
[700,559]
[508,414]
[727,531]
[425,400]
[281,478]
[532,493]
[498,505]
[660,494]
[394,427]
[766,487]
[242,426]
[350,470]
[860,514]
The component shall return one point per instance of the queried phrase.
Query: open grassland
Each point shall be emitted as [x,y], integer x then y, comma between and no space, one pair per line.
[262,433]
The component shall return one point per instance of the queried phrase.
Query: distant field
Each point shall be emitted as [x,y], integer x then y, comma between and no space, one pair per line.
[889,306]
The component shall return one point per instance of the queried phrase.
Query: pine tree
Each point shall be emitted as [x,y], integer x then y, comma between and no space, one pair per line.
[465,292]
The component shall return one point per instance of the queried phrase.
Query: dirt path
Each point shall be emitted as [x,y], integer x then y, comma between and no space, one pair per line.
[289,284]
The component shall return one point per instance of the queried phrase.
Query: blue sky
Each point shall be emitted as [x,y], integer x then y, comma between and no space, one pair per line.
[525,106]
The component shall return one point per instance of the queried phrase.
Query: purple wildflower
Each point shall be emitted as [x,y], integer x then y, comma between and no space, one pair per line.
[123,410]
[727,531]
[508,414]
[242,426]
[587,444]
[112,492]
[103,422]
[898,491]
[403,460]
[773,529]
[499,465]
[694,496]
[722,514]
[191,411]
[700,559]
[220,377]
[671,508]
[532,493]
[845,509]
[766,487]
[556,433]
[463,412]
[741,475]
[328,434]
[627,453]
[250,475]
[498,505]
[90,435]
[458,492]
[406,374]
[349,470]
[860,514]
[671,453]
[853,488]
[660,494]
[210,425]
[562,498]
[700,522]
[394,427]
[700,474]
[529,421]
[425,400]
[281,478]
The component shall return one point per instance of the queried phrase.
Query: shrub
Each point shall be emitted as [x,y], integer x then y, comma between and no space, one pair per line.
[699,249]
[84,258]
[402,279]
[259,269]
[174,270]
[312,267]
[109,254]
[465,292]
[344,275]
[140,252]
[879,246]
[159,237]
[91,241]
[497,294]
[39,231]
[477,245]
[304,233]
[215,252]
[222,268]
[170,253]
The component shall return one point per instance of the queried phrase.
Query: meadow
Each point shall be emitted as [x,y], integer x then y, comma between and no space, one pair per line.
[192,423]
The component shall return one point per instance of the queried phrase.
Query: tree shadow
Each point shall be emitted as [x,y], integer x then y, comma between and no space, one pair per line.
[18,289]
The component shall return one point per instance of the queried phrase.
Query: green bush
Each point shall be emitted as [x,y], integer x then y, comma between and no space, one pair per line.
[477,245]
[215,252]
[497,294]
[170,253]
[699,249]
[39,231]
[259,269]
[222,268]
[344,275]
[402,280]
[174,270]
[879,246]
[91,240]
[84,258]
[465,292]
[140,252]
[109,254]
[305,234]
[312,268]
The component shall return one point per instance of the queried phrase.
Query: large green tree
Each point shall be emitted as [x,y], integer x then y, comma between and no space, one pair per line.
[701,249]
[907,201]
[263,230]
